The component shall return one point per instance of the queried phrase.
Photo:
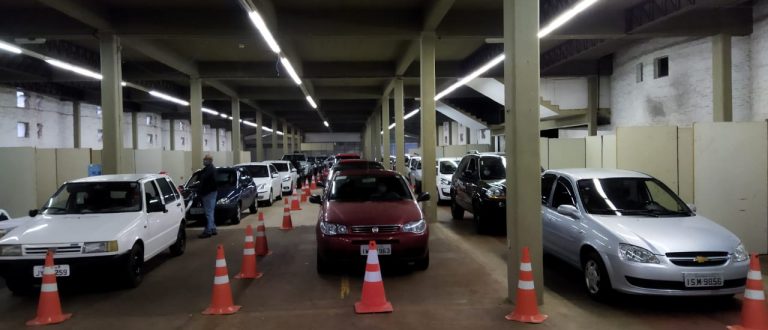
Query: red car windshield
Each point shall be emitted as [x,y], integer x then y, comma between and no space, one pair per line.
[368,188]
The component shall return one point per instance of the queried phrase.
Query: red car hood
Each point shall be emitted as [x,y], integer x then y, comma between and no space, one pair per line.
[372,213]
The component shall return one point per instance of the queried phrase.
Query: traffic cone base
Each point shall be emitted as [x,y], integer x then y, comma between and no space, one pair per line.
[361,308]
[754,315]
[222,310]
[49,320]
[49,306]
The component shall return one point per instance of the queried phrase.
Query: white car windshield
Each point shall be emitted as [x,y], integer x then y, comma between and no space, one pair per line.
[630,197]
[95,197]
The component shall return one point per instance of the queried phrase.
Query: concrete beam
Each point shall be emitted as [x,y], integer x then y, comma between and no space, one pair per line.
[722,88]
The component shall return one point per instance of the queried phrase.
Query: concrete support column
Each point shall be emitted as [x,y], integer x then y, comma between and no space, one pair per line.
[196,122]
[298,140]
[172,134]
[285,138]
[521,129]
[259,140]
[722,90]
[593,99]
[274,140]
[111,104]
[385,127]
[135,130]
[218,142]
[236,136]
[428,125]
[76,124]
[399,126]
[377,129]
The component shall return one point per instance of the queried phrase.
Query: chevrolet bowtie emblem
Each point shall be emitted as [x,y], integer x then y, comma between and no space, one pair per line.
[700,259]
[375,229]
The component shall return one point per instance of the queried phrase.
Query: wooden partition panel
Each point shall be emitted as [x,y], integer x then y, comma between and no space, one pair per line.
[544,152]
[651,150]
[17,170]
[72,164]
[567,153]
[594,151]
[685,163]
[148,161]
[173,164]
[609,151]
[45,163]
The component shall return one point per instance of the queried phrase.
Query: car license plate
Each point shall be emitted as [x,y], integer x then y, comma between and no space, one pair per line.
[61,270]
[382,249]
[699,280]
[196,210]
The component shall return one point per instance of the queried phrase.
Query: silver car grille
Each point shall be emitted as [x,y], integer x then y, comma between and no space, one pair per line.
[375,229]
[698,259]
[57,249]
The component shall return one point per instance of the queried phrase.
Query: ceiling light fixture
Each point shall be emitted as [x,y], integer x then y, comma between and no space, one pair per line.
[411,114]
[74,68]
[565,17]
[168,98]
[266,128]
[312,102]
[279,133]
[291,72]
[264,30]
[9,48]
[213,112]
[223,115]
[463,81]
[325,122]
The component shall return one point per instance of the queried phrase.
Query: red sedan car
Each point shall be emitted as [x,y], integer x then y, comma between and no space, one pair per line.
[363,205]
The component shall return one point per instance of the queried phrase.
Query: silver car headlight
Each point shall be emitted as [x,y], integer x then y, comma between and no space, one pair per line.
[496,192]
[633,253]
[286,179]
[332,229]
[223,201]
[740,254]
[417,227]
[10,250]
[445,182]
[100,247]
[261,187]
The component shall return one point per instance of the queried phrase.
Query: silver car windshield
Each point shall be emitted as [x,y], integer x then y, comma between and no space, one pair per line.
[630,197]
[94,197]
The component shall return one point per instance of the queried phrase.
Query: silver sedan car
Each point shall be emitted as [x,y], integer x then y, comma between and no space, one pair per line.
[629,232]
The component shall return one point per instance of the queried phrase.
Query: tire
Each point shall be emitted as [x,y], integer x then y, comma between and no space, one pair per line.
[253,208]
[236,217]
[269,201]
[457,213]
[133,267]
[323,267]
[422,264]
[180,245]
[19,288]
[418,187]
[596,279]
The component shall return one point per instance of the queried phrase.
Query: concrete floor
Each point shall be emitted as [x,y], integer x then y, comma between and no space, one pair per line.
[464,288]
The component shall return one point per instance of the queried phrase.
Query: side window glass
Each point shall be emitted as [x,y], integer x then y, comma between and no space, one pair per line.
[167,190]
[175,191]
[462,166]
[563,194]
[546,187]
[472,167]
[150,192]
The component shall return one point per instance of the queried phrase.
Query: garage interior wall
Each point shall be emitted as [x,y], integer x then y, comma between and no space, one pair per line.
[15,172]
[567,153]
[648,150]
[731,184]
[594,151]
[45,166]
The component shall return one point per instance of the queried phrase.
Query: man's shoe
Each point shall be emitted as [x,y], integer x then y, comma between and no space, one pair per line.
[215,233]
[204,235]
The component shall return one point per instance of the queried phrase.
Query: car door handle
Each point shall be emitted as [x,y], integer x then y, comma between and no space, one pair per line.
[178,204]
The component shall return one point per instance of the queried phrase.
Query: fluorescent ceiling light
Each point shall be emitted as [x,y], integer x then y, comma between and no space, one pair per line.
[463,81]
[264,30]
[75,69]
[392,126]
[279,133]
[325,122]
[291,72]
[9,48]
[213,112]
[266,128]
[312,102]
[245,122]
[168,98]
[123,84]
[565,17]
[223,115]
[411,114]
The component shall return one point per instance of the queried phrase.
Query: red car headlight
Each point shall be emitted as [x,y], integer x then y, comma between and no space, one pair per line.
[418,226]
[332,229]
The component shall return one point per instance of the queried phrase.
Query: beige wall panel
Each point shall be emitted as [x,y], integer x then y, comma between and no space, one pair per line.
[544,152]
[245,156]
[567,153]
[129,160]
[685,163]
[609,151]
[173,164]
[190,166]
[72,164]
[731,178]
[95,156]
[45,162]
[148,161]
[651,150]
[594,151]
[15,172]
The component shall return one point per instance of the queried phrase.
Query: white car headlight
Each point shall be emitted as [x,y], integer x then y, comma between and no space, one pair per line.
[633,253]
[740,254]
[262,187]
[332,229]
[418,226]
[100,247]
[496,192]
[10,250]
[286,179]
[223,201]
[445,182]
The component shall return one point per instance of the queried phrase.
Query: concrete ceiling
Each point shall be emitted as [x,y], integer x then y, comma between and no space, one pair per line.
[346,51]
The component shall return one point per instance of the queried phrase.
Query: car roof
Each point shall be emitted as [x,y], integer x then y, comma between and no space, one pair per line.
[277,161]
[443,159]
[347,155]
[347,161]
[596,173]
[120,177]
[253,163]
[371,171]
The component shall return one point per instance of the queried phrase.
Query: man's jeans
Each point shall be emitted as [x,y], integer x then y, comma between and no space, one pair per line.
[209,205]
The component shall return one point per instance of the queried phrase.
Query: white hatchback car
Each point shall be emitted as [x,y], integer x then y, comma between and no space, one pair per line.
[267,180]
[445,169]
[288,175]
[102,225]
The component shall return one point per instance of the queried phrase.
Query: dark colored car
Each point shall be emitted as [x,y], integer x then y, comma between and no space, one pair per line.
[236,192]
[364,205]
[478,186]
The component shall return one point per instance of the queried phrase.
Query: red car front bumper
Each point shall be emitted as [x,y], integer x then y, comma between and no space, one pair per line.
[406,247]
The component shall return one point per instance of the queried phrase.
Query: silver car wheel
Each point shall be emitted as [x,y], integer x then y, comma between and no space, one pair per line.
[592,276]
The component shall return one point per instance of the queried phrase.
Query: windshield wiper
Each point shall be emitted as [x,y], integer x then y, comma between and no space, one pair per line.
[624,211]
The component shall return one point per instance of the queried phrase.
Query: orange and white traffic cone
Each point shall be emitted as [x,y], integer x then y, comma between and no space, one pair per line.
[262,248]
[249,268]
[753,313]
[313,185]
[49,307]
[526,309]
[373,299]
[221,301]
[287,222]
[295,206]
[304,194]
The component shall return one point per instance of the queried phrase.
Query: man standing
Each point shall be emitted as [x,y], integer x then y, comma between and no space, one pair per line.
[207,193]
